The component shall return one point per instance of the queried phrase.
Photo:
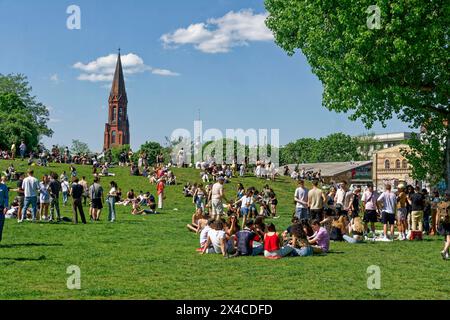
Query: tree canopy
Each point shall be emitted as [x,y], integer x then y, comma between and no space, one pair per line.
[400,69]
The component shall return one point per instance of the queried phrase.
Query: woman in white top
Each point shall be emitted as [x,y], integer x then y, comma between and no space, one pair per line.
[44,197]
[112,201]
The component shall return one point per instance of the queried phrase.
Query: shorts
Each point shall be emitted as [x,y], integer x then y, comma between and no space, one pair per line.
[275,202]
[244,211]
[444,229]
[21,201]
[370,216]
[387,218]
[401,214]
[97,204]
[217,208]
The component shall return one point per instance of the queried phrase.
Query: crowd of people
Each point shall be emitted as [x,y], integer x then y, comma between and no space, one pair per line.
[320,216]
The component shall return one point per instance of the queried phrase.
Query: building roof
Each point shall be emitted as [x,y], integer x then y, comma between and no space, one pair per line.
[399,146]
[330,169]
[118,86]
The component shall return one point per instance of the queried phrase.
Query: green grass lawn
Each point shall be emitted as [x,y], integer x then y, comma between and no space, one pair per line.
[153,257]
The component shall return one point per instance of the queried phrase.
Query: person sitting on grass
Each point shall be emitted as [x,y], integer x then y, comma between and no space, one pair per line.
[217,240]
[244,241]
[356,229]
[338,227]
[299,242]
[321,239]
[199,221]
[287,234]
[204,235]
[327,222]
[136,210]
[272,244]
[232,226]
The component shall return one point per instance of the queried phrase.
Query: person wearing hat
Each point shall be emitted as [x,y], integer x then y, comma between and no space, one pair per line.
[402,212]
[160,191]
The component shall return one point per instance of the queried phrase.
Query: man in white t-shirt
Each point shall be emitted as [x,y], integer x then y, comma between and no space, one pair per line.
[369,200]
[301,200]
[30,187]
[217,198]
[388,200]
[341,199]
[216,240]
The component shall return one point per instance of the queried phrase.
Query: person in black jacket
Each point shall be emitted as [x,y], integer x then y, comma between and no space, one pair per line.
[77,191]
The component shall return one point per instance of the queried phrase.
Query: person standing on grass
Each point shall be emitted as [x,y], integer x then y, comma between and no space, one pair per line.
[217,199]
[112,195]
[20,196]
[96,195]
[55,189]
[402,212]
[77,192]
[369,200]
[340,199]
[85,186]
[13,152]
[30,187]
[417,202]
[388,201]
[301,200]
[4,198]
[160,190]
[44,197]
[316,200]
[65,188]
[22,150]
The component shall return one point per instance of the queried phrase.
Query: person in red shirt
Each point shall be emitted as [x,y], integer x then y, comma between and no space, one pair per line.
[272,246]
[160,190]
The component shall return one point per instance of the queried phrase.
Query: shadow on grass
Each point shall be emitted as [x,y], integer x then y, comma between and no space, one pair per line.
[25,259]
[18,245]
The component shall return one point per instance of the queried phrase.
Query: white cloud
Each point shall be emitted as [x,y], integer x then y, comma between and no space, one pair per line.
[219,35]
[102,69]
[164,72]
[54,78]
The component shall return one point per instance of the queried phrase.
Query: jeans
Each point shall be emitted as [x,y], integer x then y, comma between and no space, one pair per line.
[258,250]
[303,252]
[426,222]
[2,222]
[283,252]
[351,239]
[65,195]
[302,213]
[54,205]
[112,208]
[29,201]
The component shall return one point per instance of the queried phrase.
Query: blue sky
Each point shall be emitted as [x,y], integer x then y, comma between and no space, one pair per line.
[211,55]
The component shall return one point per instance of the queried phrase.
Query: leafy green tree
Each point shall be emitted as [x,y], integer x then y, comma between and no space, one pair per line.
[400,69]
[152,149]
[116,151]
[79,147]
[337,147]
[18,85]
[16,123]
[300,151]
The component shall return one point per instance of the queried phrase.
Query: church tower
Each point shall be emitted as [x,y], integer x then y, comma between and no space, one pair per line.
[117,130]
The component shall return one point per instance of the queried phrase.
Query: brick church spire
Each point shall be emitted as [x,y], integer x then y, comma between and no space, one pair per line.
[117,130]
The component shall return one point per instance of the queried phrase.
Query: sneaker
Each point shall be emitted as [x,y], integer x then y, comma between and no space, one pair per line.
[444,255]
[276,217]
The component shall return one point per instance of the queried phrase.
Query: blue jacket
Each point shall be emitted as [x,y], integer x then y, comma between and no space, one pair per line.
[4,197]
